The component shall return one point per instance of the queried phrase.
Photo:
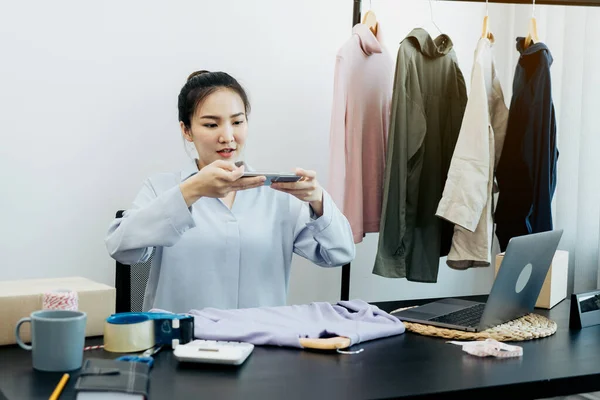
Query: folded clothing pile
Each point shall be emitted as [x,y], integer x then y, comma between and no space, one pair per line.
[286,325]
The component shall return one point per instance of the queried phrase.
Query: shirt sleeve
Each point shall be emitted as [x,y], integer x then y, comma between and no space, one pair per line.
[337,136]
[327,240]
[541,153]
[404,163]
[152,221]
[466,190]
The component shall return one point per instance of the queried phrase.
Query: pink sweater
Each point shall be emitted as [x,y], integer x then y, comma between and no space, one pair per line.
[363,85]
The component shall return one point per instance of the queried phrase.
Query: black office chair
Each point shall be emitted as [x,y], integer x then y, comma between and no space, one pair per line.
[130,283]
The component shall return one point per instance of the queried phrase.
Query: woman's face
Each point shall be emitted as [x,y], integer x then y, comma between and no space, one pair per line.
[218,127]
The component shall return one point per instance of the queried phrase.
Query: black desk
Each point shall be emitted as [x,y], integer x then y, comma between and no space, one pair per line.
[403,366]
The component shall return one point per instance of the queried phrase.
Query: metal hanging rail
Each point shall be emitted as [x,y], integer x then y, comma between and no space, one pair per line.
[585,3]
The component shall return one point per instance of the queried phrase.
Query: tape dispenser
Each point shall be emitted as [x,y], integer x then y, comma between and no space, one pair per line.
[138,331]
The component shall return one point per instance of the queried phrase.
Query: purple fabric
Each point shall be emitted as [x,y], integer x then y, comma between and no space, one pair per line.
[285,325]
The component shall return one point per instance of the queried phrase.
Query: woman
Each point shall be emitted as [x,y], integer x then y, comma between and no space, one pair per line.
[221,240]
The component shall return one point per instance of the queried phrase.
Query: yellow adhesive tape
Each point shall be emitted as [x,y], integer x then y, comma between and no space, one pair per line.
[128,337]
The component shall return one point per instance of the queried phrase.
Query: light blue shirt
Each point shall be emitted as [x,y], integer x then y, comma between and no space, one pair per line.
[208,255]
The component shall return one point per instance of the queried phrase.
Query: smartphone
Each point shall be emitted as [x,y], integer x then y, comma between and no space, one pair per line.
[273,176]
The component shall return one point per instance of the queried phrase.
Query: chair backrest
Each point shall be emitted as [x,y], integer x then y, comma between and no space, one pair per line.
[130,283]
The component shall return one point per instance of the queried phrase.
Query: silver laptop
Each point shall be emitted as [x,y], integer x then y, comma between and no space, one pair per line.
[514,293]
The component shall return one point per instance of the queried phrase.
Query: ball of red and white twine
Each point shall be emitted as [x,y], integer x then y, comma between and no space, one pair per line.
[60,300]
[64,300]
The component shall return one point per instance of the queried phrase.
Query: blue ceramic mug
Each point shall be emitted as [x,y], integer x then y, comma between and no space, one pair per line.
[57,339]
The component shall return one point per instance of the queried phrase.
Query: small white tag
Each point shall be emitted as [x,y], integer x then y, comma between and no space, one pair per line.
[490,347]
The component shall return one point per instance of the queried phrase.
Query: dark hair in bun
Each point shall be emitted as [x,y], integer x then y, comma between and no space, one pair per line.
[200,85]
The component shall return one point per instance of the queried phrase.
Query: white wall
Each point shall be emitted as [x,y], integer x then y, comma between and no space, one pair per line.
[88,93]
[88,100]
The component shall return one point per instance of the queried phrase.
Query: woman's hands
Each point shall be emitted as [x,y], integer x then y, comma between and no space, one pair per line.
[222,177]
[306,189]
[217,180]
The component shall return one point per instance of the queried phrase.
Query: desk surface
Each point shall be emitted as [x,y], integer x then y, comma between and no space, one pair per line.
[402,366]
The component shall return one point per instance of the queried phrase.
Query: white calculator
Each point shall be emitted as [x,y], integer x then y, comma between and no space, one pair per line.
[213,352]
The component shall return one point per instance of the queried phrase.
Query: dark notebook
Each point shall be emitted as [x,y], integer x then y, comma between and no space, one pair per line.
[102,378]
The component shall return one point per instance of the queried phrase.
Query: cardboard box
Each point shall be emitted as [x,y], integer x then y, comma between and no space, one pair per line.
[20,298]
[555,285]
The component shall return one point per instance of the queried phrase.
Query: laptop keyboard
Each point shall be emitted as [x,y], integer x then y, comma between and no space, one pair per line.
[465,317]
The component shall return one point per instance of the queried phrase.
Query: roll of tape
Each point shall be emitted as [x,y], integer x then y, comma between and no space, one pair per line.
[62,299]
[128,333]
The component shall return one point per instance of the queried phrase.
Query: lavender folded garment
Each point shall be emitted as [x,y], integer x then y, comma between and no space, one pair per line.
[284,326]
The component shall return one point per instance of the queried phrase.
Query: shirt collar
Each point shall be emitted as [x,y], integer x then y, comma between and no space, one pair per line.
[369,44]
[190,168]
[438,47]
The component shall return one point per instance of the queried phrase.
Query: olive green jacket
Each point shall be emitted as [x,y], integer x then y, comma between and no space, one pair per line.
[428,104]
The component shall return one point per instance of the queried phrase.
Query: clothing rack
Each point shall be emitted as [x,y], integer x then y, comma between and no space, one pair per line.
[345,289]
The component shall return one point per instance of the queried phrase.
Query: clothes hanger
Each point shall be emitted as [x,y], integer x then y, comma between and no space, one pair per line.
[532,35]
[370,20]
[485,33]
[440,33]
[432,20]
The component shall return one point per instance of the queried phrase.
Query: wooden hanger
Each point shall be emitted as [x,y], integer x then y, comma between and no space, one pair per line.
[370,20]
[532,35]
[485,32]
[337,342]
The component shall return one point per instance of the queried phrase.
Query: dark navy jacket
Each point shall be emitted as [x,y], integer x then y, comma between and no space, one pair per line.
[526,173]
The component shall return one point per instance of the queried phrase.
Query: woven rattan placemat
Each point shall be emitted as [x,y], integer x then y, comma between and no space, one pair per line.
[531,326]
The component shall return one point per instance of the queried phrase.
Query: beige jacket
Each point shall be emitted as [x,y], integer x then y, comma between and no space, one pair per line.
[467,200]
